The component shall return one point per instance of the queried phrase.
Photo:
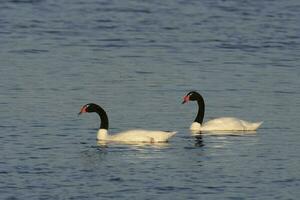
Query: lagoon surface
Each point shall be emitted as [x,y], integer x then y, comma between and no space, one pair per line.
[137,60]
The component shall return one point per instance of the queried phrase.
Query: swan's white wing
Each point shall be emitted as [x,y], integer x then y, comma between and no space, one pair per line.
[142,136]
[229,124]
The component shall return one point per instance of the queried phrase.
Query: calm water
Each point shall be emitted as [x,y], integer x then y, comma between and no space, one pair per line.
[137,59]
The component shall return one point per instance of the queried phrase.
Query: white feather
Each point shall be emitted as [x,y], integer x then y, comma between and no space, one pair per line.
[135,136]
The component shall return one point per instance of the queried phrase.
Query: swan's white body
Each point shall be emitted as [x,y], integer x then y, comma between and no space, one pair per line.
[225,124]
[135,136]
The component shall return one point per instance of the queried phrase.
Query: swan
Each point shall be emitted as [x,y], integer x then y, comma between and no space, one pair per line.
[218,124]
[126,136]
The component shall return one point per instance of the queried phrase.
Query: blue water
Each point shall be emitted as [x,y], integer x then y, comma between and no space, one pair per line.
[137,59]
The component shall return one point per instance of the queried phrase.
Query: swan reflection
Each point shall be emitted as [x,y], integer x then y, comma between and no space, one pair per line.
[134,145]
[223,133]
[199,140]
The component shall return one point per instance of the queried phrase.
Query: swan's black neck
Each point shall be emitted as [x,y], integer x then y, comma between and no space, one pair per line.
[103,116]
[201,109]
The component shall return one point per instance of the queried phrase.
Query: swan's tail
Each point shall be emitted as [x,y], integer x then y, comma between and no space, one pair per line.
[169,135]
[253,126]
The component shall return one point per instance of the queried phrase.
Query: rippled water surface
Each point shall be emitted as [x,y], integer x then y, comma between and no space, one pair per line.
[137,59]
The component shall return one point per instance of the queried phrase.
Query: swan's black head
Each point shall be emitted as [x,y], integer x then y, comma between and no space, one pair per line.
[90,107]
[191,96]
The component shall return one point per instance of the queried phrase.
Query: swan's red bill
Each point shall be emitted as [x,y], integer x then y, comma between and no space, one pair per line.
[82,110]
[186,99]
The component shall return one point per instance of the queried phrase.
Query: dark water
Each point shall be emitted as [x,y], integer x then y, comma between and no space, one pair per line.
[137,59]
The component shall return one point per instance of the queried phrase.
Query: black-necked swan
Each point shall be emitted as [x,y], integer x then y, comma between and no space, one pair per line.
[126,136]
[218,124]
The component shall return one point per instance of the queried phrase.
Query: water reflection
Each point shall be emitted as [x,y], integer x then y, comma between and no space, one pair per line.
[132,145]
[223,133]
[199,140]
